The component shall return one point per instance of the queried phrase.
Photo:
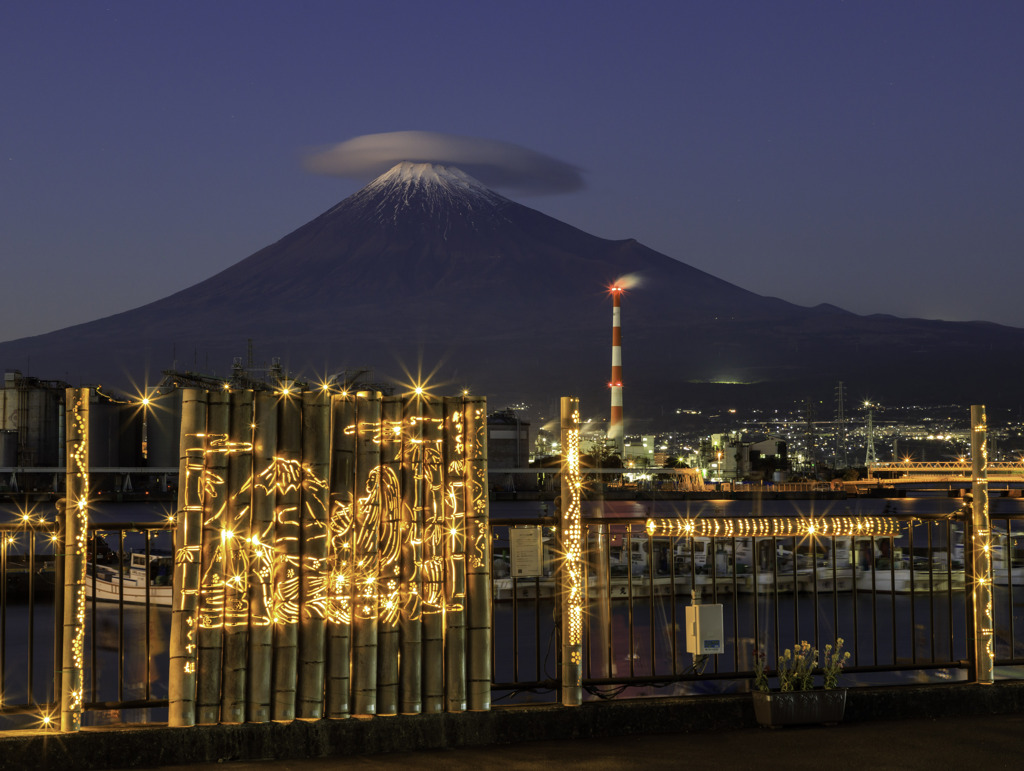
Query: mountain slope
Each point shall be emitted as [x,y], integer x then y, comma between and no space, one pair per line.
[425,266]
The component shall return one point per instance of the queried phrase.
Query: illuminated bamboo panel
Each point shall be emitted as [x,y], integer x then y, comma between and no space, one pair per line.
[316,457]
[412,513]
[366,544]
[340,588]
[478,558]
[76,535]
[212,586]
[389,550]
[432,569]
[981,555]
[236,562]
[455,555]
[187,568]
[773,527]
[288,480]
[261,557]
[572,585]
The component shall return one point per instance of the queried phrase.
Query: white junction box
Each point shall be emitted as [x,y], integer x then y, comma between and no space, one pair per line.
[704,629]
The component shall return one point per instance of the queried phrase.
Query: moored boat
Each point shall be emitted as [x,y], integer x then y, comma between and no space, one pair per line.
[138,584]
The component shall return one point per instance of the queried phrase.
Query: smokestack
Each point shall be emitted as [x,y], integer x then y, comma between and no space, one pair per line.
[615,435]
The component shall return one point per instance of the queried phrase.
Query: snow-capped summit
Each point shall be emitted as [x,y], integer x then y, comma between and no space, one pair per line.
[430,177]
[431,189]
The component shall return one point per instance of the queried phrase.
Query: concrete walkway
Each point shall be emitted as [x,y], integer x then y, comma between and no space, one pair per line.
[989,742]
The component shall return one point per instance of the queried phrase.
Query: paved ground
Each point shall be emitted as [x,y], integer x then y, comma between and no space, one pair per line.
[991,742]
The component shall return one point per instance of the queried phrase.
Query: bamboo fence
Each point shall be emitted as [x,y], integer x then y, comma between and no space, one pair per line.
[332,557]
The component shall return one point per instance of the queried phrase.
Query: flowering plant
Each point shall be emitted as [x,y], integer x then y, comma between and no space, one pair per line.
[797,667]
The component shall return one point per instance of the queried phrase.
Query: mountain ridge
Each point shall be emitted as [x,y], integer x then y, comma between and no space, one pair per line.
[426,267]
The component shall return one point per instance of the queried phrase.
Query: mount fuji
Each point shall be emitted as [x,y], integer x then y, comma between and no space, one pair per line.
[425,269]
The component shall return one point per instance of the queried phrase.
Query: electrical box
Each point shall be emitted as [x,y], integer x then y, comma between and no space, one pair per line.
[705,630]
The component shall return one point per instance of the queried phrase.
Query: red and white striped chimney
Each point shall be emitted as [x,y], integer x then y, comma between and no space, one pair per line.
[615,435]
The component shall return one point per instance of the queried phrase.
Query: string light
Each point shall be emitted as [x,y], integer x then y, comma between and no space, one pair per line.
[78,532]
[773,527]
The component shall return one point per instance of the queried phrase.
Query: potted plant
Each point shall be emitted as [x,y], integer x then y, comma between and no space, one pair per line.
[797,700]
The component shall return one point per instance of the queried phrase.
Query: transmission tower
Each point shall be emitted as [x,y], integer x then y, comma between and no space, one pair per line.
[842,460]
[870,458]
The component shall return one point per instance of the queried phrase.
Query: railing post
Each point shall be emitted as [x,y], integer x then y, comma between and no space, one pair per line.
[571,586]
[76,534]
[600,608]
[981,558]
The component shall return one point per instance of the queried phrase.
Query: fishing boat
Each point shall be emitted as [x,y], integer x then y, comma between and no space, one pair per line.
[106,583]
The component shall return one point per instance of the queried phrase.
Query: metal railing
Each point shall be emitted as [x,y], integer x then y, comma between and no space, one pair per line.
[899,603]
[1008,579]
[29,638]
[128,623]
[125,641]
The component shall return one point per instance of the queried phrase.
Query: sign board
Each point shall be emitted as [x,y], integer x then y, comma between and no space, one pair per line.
[527,551]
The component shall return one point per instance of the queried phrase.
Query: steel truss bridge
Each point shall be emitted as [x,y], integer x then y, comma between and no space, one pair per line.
[945,473]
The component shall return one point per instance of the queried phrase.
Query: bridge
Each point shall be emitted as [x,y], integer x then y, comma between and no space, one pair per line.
[947,474]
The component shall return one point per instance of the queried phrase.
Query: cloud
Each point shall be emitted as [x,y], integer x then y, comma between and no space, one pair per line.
[495,164]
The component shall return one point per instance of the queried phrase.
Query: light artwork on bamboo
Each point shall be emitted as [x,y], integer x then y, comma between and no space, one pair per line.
[455,517]
[253,574]
[773,527]
[574,582]
[981,547]
[242,559]
[479,536]
[573,538]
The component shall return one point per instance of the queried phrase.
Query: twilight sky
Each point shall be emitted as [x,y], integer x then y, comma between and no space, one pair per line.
[866,154]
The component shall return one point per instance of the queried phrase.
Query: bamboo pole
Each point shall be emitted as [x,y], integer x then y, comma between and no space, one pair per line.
[366,557]
[212,586]
[235,567]
[981,535]
[261,557]
[316,458]
[572,583]
[340,597]
[455,555]
[76,538]
[287,556]
[59,556]
[433,565]
[413,506]
[390,552]
[187,545]
[478,558]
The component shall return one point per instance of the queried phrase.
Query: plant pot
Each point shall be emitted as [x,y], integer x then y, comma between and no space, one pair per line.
[799,707]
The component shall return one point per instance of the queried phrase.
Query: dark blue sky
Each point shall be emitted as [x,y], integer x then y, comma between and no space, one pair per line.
[867,154]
